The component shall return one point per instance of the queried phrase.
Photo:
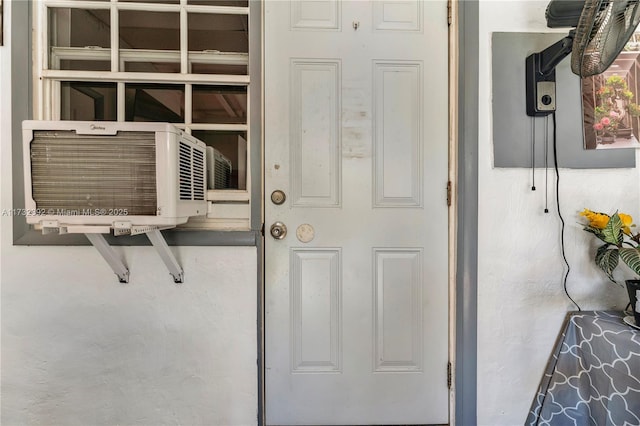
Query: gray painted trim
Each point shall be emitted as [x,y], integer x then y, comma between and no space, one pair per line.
[257,182]
[255,101]
[21,100]
[467,239]
[173,238]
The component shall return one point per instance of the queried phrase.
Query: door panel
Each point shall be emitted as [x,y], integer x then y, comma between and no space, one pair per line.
[397,100]
[316,341]
[315,125]
[356,294]
[397,304]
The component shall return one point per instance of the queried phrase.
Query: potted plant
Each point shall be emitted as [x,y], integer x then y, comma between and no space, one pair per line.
[618,243]
[607,125]
[614,108]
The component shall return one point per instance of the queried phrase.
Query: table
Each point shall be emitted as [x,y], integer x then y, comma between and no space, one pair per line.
[593,374]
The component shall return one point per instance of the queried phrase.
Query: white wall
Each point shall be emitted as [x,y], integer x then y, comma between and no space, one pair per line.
[78,348]
[521,304]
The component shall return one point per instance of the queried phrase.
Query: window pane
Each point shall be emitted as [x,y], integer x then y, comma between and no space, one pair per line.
[231,147]
[79,39]
[79,27]
[197,68]
[154,102]
[219,104]
[82,65]
[87,101]
[152,1]
[149,30]
[238,3]
[225,33]
[151,67]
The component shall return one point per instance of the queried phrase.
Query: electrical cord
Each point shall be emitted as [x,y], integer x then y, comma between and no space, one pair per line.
[546,164]
[564,256]
[533,153]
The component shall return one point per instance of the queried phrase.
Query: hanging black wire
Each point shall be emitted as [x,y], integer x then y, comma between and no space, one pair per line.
[546,164]
[564,256]
[533,153]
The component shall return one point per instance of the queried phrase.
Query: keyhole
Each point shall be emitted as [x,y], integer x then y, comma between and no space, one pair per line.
[278,197]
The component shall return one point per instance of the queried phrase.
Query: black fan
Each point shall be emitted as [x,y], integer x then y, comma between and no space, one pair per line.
[601,29]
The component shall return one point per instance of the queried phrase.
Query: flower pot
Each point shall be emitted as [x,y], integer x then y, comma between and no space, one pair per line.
[608,138]
[624,133]
[633,288]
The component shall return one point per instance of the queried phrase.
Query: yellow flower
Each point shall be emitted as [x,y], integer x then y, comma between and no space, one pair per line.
[596,220]
[627,222]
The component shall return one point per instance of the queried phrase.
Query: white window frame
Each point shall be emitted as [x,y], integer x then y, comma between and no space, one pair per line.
[229,209]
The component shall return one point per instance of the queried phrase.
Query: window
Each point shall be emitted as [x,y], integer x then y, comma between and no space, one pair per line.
[180,61]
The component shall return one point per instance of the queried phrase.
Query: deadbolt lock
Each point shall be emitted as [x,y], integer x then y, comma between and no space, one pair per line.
[278,230]
[278,197]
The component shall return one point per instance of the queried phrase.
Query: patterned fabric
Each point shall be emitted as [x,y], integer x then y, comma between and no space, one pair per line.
[593,374]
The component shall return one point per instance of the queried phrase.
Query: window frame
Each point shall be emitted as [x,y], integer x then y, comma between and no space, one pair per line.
[29,73]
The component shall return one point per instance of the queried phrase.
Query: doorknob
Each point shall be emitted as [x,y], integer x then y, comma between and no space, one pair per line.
[278,230]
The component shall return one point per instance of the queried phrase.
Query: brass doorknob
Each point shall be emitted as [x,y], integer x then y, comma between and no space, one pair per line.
[278,230]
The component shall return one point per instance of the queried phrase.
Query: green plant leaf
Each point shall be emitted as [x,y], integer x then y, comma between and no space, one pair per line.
[595,231]
[607,260]
[631,256]
[612,232]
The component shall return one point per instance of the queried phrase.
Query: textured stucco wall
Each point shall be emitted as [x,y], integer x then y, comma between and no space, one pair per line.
[78,348]
[521,304]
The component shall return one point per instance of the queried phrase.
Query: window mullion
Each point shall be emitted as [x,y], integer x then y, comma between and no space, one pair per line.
[41,44]
[249,143]
[121,100]
[55,94]
[115,37]
[184,38]
[148,77]
[222,10]
[188,106]
[76,4]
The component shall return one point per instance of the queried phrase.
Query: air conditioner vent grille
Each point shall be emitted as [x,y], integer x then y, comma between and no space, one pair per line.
[198,174]
[191,165]
[90,174]
[186,182]
[221,170]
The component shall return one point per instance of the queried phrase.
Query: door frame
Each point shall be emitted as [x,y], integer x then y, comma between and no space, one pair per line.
[463,220]
[465,84]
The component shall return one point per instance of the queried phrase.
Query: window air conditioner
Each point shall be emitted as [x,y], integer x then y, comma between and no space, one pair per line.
[118,175]
[218,169]
[91,177]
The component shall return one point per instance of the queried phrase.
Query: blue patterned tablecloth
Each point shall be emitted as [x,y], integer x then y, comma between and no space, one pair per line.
[593,374]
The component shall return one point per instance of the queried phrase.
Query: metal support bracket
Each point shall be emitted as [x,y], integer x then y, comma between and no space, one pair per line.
[157,240]
[107,252]
[166,255]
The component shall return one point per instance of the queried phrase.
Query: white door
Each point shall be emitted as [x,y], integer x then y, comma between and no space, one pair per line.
[356,293]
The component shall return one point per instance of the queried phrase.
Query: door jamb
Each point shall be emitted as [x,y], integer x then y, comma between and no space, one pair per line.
[466,223]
